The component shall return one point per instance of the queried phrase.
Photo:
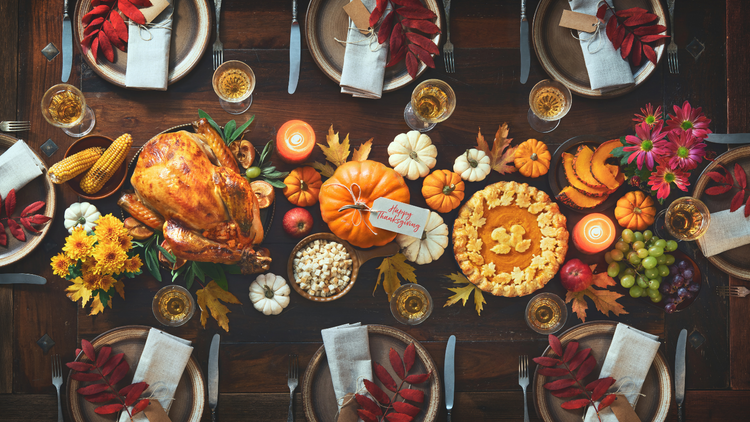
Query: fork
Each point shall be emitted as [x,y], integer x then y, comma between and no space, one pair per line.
[674,66]
[15,126]
[735,291]
[523,381]
[57,382]
[293,380]
[218,46]
[450,66]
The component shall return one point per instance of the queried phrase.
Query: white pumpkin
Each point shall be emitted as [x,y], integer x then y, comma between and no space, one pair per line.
[412,154]
[432,244]
[473,165]
[269,294]
[81,214]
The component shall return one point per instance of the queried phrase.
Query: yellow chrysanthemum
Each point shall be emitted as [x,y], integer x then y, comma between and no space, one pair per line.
[109,227]
[109,258]
[125,242]
[91,281]
[106,282]
[60,265]
[133,265]
[88,266]
[78,245]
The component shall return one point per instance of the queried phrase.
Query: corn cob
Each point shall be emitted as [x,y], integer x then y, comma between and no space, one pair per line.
[74,165]
[107,164]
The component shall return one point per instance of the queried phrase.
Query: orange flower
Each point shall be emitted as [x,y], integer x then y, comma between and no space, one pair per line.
[60,265]
[79,245]
[109,258]
[133,265]
[109,227]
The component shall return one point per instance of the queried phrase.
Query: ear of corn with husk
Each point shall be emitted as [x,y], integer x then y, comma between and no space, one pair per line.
[74,165]
[107,164]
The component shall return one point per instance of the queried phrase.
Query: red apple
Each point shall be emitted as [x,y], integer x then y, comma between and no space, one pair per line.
[576,276]
[297,222]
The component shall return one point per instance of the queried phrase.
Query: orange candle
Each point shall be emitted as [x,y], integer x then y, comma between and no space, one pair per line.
[594,233]
[295,141]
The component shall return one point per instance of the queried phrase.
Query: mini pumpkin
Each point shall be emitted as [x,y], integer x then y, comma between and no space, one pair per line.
[473,165]
[443,190]
[303,186]
[635,211]
[81,214]
[532,158]
[412,154]
[432,244]
[269,294]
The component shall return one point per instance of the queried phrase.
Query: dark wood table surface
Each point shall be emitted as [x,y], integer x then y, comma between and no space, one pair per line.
[254,353]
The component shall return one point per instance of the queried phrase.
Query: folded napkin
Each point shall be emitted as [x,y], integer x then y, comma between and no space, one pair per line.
[607,69]
[364,61]
[161,365]
[628,361]
[727,230]
[148,52]
[348,352]
[18,166]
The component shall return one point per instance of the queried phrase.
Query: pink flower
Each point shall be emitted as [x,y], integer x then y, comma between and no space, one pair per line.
[663,177]
[646,145]
[690,120]
[686,150]
[649,116]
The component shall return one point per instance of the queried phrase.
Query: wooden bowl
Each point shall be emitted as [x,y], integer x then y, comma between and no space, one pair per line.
[113,184]
[359,257]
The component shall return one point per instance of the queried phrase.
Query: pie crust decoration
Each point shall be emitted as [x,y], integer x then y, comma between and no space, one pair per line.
[510,239]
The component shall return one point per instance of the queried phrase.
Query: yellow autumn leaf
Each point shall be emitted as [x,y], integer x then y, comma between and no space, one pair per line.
[390,270]
[463,293]
[209,299]
[325,170]
[501,154]
[604,300]
[363,151]
[96,306]
[336,152]
[120,287]
[78,291]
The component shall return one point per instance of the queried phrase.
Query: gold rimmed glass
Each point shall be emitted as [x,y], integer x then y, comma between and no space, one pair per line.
[686,218]
[411,304]
[234,83]
[549,101]
[546,313]
[173,306]
[432,102]
[64,106]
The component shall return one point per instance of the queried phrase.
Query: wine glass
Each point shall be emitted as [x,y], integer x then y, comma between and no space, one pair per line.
[432,102]
[234,83]
[549,101]
[546,313]
[411,304]
[686,218]
[65,107]
[173,306]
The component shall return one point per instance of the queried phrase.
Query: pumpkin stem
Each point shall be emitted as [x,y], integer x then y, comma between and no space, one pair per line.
[447,190]
[357,206]
[413,155]
[533,157]
[302,185]
[472,162]
[268,292]
[81,220]
[636,210]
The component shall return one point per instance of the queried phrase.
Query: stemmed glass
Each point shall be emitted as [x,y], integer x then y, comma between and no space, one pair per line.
[686,218]
[234,83]
[65,107]
[432,102]
[549,101]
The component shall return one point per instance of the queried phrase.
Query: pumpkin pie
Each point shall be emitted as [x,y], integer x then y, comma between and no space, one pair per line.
[510,239]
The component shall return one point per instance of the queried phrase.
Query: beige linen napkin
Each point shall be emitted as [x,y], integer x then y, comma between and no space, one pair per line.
[727,230]
[628,361]
[606,68]
[18,166]
[148,52]
[363,69]
[348,352]
[161,365]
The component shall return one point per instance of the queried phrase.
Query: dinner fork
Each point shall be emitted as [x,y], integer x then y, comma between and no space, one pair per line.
[450,66]
[735,291]
[15,126]
[293,380]
[57,382]
[218,46]
[523,381]
[674,66]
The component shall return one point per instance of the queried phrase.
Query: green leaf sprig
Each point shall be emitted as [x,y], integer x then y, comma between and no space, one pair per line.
[231,132]
[268,172]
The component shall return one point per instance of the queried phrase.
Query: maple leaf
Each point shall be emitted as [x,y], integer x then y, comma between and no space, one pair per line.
[463,293]
[120,288]
[97,306]
[363,152]
[336,152]
[77,291]
[209,298]
[501,155]
[602,280]
[324,169]
[604,300]
[390,269]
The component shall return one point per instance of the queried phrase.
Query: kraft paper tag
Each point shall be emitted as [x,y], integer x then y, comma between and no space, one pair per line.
[154,412]
[579,21]
[623,410]
[348,412]
[359,14]
[157,6]
[398,217]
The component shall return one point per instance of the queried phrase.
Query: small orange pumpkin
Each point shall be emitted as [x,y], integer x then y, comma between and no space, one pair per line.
[635,211]
[302,186]
[443,190]
[532,158]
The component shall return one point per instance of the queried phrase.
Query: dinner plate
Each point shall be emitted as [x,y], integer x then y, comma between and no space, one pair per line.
[188,397]
[560,54]
[326,21]
[652,406]
[191,31]
[39,189]
[319,400]
[733,261]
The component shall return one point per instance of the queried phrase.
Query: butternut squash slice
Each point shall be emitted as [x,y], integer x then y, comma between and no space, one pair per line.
[572,197]
[599,168]
[582,167]
[574,181]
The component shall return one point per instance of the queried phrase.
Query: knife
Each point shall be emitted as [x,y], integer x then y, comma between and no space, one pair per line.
[729,138]
[679,373]
[213,375]
[450,374]
[20,278]
[525,52]
[67,44]
[295,52]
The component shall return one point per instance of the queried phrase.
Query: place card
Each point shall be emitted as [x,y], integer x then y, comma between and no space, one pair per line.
[359,14]
[579,21]
[157,6]
[623,410]
[398,217]
[154,412]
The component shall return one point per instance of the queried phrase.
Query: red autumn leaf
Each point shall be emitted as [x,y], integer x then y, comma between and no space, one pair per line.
[119,373]
[544,361]
[104,353]
[106,46]
[367,416]
[607,401]
[112,363]
[652,38]
[375,16]
[405,408]
[109,409]
[627,44]
[39,219]
[131,11]
[633,11]
[125,390]
[412,64]
[567,393]
[641,19]
[718,177]
[1,205]
[367,404]
[141,3]
[3,236]
[96,12]
[601,12]
[649,30]
[718,190]
[94,26]
[396,363]
[95,47]
[555,345]
[423,42]
[377,393]
[85,376]
[417,378]
[111,34]
[619,37]
[34,207]
[737,201]
[79,366]
[86,42]
[411,394]
[650,54]
[421,25]
[98,2]
[88,350]
[119,25]
[413,12]
[398,417]
[602,387]
[395,58]
[382,374]
[586,367]
[10,202]
[16,230]
[423,55]
[27,225]
[410,356]
[636,53]
[578,360]
[396,40]
[570,351]
[408,3]
[385,27]
[100,398]
[739,175]
[575,404]
[92,389]
[611,29]
[135,392]
[138,408]
[553,372]
[559,384]
[747,207]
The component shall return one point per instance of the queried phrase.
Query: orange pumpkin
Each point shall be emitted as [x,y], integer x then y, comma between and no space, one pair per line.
[635,211]
[443,190]
[532,158]
[347,196]
[302,186]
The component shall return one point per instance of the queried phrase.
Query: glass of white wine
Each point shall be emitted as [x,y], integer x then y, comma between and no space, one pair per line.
[549,101]
[432,102]
[173,306]
[686,218]
[234,83]
[411,304]
[65,107]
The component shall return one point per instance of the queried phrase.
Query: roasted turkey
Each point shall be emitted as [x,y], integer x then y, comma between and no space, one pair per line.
[188,186]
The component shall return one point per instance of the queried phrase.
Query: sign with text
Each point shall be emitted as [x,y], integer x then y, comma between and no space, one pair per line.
[398,217]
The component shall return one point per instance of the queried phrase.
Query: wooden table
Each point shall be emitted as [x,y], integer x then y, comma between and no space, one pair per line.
[254,353]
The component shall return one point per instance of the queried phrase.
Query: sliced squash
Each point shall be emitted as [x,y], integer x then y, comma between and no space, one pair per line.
[572,197]
[582,167]
[620,181]
[599,168]
[574,181]
[615,170]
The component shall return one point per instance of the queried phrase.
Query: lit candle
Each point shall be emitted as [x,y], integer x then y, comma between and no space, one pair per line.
[594,233]
[295,141]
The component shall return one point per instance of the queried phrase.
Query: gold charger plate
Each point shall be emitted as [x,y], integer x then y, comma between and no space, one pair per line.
[326,20]
[188,397]
[191,31]
[319,400]
[657,387]
[39,189]
[560,54]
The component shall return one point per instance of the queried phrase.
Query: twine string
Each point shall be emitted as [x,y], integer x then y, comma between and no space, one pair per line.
[370,38]
[166,23]
[358,205]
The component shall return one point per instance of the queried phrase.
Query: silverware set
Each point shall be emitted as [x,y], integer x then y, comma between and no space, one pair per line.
[523,381]
[292,382]
[674,65]
[732,291]
[218,47]
[15,126]
[450,66]
[57,381]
